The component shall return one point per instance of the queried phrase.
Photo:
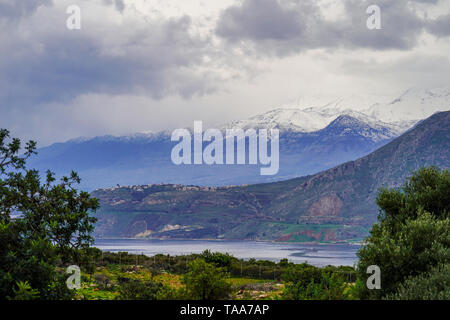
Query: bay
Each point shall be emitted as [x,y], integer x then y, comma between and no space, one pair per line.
[314,254]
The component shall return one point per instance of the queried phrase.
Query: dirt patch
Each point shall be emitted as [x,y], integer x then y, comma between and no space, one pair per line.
[310,234]
[330,235]
[285,237]
[326,206]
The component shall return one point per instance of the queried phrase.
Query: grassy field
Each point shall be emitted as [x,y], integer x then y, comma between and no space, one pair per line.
[96,287]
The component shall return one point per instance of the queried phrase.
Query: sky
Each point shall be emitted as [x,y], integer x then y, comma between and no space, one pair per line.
[151,65]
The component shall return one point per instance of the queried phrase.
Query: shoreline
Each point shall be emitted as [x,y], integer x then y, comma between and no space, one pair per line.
[358,243]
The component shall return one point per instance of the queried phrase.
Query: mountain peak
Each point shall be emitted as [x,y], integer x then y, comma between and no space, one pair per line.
[345,120]
[286,119]
[350,125]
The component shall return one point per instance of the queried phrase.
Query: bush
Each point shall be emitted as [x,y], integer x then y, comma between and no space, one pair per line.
[302,273]
[130,289]
[320,286]
[217,258]
[171,293]
[433,285]
[25,292]
[205,281]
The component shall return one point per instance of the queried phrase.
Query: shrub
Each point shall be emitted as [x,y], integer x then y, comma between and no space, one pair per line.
[25,292]
[327,286]
[222,260]
[433,285]
[130,289]
[205,281]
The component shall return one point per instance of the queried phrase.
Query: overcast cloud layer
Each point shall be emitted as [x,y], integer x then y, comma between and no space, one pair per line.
[153,65]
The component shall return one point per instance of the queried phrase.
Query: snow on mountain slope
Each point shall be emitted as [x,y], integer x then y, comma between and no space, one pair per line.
[357,102]
[413,105]
[285,119]
[396,115]
[311,120]
[349,125]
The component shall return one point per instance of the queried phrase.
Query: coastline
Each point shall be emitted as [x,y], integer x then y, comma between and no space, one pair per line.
[357,243]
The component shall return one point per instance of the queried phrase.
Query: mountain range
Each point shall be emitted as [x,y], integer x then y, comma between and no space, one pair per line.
[312,139]
[337,204]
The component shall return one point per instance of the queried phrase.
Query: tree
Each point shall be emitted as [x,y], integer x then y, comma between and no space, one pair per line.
[222,260]
[413,233]
[204,281]
[41,224]
[433,285]
[307,282]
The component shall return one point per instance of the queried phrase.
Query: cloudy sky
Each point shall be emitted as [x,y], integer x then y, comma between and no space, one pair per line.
[149,65]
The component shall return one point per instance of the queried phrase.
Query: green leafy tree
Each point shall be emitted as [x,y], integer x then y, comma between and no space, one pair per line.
[412,235]
[219,259]
[433,285]
[42,223]
[204,281]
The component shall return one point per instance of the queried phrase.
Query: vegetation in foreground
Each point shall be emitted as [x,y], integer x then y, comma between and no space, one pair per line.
[411,241]
[209,276]
[46,226]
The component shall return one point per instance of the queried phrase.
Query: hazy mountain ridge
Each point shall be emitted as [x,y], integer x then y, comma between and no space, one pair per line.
[145,158]
[312,139]
[337,204]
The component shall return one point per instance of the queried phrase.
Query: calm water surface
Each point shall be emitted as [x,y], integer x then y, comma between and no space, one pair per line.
[315,254]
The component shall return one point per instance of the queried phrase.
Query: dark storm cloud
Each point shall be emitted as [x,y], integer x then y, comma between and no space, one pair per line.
[426,1]
[279,26]
[291,26]
[261,20]
[59,66]
[17,9]
[401,26]
[161,57]
[440,27]
[119,4]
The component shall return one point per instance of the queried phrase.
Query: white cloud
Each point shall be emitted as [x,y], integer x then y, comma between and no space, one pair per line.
[150,65]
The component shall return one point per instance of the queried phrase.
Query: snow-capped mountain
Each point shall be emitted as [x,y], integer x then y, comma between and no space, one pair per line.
[394,115]
[350,125]
[145,159]
[312,138]
[314,119]
[412,106]
[389,116]
[291,119]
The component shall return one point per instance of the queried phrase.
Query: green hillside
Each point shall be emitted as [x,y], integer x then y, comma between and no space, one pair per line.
[334,205]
